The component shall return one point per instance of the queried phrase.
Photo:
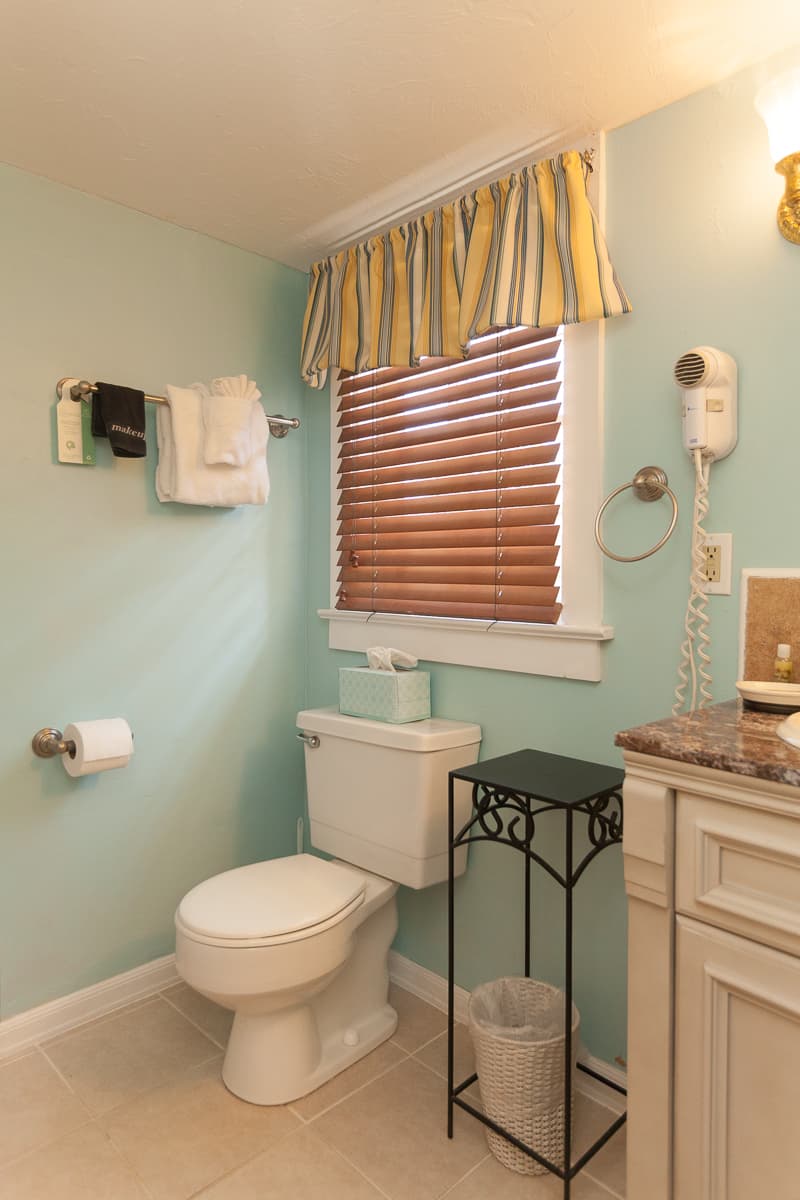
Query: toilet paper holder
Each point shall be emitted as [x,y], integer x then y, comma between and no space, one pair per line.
[47,743]
[87,747]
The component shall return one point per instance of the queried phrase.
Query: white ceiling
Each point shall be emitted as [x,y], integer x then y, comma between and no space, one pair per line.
[289,129]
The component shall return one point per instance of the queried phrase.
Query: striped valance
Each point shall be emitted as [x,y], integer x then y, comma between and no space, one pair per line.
[526,250]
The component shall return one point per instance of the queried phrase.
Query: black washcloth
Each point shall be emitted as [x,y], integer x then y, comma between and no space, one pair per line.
[118,414]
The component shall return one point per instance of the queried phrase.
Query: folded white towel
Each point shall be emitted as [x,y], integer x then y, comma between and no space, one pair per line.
[182,474]
[227,411]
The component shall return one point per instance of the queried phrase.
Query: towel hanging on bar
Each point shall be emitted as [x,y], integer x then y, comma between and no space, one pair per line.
[118,414]
[183,477]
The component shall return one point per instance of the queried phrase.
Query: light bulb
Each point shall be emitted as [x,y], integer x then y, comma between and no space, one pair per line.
[778,105]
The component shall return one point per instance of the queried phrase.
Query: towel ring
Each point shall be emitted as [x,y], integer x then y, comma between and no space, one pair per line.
[648,484]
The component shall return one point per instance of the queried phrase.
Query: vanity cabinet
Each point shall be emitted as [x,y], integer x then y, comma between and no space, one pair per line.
[712,873]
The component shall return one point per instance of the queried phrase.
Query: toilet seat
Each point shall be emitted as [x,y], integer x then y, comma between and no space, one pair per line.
[270,903]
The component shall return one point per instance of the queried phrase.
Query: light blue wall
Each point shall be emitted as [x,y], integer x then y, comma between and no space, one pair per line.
[691,228]
[184,620]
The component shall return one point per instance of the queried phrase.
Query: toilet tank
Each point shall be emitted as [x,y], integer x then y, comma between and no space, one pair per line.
[377,793]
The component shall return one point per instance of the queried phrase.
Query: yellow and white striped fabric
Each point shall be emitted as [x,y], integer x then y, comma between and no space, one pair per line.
[526,250]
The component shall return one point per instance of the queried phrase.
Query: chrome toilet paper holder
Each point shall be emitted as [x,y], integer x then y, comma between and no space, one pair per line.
[48,742]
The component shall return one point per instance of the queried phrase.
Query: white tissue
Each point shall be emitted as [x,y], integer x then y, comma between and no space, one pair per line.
[386,658]
[99,746]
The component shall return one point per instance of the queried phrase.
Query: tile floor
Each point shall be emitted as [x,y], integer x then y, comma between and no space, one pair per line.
[131,1107]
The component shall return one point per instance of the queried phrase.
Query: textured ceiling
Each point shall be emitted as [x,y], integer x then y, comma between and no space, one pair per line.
[290,128]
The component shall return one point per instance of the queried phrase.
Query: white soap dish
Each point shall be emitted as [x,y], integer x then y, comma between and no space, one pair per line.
[769,696]
[789,730]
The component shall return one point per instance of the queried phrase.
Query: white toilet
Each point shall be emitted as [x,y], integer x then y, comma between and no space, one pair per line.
[297,947]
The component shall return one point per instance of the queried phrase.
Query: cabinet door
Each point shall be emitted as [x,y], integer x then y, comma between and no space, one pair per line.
[737,1068]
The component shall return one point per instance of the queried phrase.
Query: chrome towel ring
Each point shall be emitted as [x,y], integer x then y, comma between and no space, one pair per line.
[648,484]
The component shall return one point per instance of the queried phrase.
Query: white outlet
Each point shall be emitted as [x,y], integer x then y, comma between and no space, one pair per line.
[718,558]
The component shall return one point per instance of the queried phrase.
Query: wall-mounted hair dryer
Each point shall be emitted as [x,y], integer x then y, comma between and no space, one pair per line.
[707,379]
[708,384]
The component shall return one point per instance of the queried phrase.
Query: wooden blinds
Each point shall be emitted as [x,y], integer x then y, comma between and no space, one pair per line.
[448,483]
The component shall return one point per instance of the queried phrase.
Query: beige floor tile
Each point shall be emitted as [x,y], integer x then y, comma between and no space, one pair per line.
[434,1055]
[113,1013]
[302,1167]
[417,1023]
[82,1166]
[608,1165]
[110,1061]
[214,1021]
[394,1131]
[188,1133]
[36,1107]
[366,1069]
[495,1180]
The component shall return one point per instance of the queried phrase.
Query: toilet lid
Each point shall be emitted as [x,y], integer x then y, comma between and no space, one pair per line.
[267,899]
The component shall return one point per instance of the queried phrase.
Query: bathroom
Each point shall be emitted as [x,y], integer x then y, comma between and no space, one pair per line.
[202,626]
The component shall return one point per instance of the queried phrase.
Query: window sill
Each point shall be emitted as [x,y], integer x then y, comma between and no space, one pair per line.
[563,651]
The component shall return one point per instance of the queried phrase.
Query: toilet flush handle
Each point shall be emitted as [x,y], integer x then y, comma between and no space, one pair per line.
[310,739]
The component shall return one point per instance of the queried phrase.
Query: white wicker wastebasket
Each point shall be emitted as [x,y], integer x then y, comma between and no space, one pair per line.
[517,1029]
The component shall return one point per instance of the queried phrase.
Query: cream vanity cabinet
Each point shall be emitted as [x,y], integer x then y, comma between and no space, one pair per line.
[712,873]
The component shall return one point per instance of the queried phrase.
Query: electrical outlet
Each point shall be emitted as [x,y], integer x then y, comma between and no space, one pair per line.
[713,557]
[718,563]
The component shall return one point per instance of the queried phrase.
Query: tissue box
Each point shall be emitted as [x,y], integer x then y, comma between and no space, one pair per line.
[393,696]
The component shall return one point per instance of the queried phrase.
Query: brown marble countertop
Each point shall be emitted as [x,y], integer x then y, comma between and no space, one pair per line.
[725,737]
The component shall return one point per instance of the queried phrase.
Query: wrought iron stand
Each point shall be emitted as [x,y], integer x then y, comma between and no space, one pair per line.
[508,795]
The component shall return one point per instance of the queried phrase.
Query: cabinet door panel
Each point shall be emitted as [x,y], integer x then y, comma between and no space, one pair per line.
[737,1068]
[740,869]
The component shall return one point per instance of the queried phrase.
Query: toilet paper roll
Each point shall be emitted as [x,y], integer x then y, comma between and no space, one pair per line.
[99,746]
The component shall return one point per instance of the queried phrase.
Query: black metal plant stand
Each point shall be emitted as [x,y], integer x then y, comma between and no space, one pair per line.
[508,795]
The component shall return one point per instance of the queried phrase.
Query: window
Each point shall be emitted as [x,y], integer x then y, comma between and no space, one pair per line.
[465,531]
[448,482]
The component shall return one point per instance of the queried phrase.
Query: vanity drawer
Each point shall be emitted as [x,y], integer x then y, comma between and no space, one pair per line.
[739,868]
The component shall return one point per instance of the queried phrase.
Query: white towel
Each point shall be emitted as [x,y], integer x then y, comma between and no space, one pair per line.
[182,474]
[227,412]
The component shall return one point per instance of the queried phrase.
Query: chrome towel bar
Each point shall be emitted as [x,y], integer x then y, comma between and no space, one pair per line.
[279,425]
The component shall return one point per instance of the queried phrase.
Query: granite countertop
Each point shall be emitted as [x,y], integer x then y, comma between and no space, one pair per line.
[726,737]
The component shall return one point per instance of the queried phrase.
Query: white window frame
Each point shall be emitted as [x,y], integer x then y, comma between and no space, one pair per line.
[571,649]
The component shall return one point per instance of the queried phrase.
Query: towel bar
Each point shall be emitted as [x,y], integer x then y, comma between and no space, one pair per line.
[279,425]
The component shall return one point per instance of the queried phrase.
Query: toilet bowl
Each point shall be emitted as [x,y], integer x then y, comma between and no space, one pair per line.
[298,947]
[269,941]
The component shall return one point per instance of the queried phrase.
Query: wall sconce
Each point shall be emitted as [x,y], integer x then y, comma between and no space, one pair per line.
[778,104]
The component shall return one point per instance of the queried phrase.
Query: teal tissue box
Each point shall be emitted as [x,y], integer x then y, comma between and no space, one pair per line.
[393,696]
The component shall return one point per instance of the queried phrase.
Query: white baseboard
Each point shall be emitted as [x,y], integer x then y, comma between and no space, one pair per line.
[58,1016]
[433,988]
[425,984]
